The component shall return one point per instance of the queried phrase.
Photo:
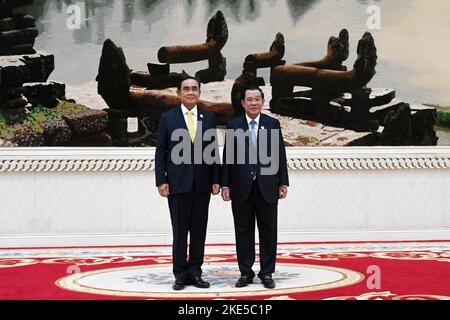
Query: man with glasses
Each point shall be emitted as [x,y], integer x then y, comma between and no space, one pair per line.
[254,191]
[188,186]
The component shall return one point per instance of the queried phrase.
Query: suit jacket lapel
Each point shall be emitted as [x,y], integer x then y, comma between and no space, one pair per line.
[200,118]
[244,124]
[179,117]
[200,115]
[263,123]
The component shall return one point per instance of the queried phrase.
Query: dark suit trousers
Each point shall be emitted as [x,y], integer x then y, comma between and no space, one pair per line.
[245,214]
[189,214]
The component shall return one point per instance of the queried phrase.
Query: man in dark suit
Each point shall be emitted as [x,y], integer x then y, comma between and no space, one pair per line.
[187,184]
[254,191]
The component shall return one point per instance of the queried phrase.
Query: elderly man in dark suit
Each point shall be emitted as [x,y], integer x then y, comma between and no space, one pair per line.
[187,184]
[254,191]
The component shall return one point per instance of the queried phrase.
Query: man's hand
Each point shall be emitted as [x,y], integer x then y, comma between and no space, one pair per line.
[163,190]
[226,194]
[215,189]
[283,190]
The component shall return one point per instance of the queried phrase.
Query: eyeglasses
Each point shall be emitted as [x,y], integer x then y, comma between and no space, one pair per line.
[188,89]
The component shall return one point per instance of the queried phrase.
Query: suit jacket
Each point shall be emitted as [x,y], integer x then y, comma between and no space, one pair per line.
[239,178]
[182,177]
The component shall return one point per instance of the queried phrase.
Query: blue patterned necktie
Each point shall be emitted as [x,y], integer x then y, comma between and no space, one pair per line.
[253,131]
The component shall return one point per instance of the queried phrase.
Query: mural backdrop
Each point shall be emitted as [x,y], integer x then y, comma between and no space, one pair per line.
[335,73]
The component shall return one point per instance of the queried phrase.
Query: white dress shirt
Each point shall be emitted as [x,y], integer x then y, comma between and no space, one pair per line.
[185,110]
[257,123]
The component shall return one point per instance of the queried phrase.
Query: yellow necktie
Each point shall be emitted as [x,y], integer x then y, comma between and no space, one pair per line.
[191,126]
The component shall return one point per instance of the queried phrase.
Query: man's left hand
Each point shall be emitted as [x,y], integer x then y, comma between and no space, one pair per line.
[283,190]
[215,189]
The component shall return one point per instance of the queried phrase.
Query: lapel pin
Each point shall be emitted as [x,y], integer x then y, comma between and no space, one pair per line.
[201,116]
[262,127]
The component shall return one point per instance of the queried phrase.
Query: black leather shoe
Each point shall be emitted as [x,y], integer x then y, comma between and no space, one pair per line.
[179,284]
[268,282]
[244,281]
[199,282]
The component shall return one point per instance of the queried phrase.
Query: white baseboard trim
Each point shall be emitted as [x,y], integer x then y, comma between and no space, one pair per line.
[82,240]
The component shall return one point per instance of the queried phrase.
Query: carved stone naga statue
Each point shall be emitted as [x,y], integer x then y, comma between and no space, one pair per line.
[159,75]
[253,62]
[115,87]
[115,78]
[337,53]
[320,75]
[216,38]
[329,79]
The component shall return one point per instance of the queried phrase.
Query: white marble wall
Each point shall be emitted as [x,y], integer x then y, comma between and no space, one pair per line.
[40,208]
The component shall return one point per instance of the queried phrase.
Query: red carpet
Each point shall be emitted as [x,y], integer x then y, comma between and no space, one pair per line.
[403,270]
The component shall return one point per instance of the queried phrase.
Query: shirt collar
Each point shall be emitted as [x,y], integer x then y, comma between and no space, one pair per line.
[250,119]
[185,110]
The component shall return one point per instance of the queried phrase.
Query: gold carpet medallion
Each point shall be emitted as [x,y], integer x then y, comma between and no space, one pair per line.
[154,281]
